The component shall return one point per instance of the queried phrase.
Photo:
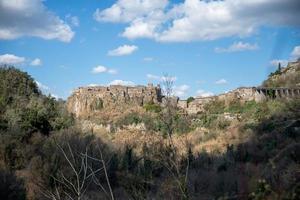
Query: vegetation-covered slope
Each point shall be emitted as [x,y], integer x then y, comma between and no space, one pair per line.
[285,77]
[234,151]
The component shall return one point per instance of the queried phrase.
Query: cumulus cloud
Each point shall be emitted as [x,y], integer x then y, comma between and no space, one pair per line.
[275,63]
[74,20]
[203,93]
[122,82]
[237,46]
[123,50]
[11,59]
[296,52]
[294,55]
[42,87]
[148,59]
[221,82]
[128,10]
[101,69]
[93,85]
[31,18]
[161,78]
[153,77]
[192,20]
[36,62]
[181,90]
[46,90]
[168,78]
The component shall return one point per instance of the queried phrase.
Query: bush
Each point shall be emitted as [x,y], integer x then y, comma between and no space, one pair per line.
[151,107]
[215,107]
[190,99]
[11,188]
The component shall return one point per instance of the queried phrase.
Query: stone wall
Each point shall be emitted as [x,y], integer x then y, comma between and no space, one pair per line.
[242,95]
[86,100]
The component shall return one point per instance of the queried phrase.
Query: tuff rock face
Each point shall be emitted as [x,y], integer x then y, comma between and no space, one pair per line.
[86,100]
[288,76]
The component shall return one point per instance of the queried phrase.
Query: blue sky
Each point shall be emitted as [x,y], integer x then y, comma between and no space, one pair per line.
[209,46]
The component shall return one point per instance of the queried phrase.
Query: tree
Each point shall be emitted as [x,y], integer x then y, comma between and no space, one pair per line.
[77,172]
[11,188]
[190,99]
[170,159]
[279,67]
[169,111]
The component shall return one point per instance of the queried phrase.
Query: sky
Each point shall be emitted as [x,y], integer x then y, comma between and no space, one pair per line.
[208,47]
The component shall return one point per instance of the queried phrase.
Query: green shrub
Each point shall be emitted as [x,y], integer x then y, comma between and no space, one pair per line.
[215,107]
[11,188]
[151,107]
[131,118]
[190,99]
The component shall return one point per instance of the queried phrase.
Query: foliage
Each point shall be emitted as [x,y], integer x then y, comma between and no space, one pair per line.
[289,77]
[190,99]
[24,106]
[151,107]
[34,126]
[11,188]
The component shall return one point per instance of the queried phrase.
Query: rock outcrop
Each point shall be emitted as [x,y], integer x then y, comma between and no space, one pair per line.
[86,100]
[286,77]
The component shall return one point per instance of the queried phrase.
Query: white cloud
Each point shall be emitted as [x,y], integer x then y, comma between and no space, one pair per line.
[181,90]
[237,46]
[128,10]
[36,62]
[112,71]
[42,87]
[31,18]
[46,90]
[93,85]
[153,77]
[123,50]
[294,55]
[203,93]
[168,78]
[192,20]
[221,82]
[275,63]
[11,59]
[74,20]
[148,59]
[296,52]
[122,82]
[101,69]
[161,78]
[55,96]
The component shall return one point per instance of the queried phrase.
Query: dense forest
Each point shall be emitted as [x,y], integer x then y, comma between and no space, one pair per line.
[44,154]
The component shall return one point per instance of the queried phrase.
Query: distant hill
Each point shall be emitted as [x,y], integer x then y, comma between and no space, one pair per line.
[16,85]
[23,106]
[285,77]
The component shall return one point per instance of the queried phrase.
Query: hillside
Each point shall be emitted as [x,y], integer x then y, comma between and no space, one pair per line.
[237,149]
[285,77]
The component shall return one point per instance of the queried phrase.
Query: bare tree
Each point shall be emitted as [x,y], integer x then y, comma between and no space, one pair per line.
[83,173]
[169,106]
[168,118]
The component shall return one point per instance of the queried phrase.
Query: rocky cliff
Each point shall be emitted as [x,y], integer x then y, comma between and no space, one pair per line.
[87,100]
[285,77]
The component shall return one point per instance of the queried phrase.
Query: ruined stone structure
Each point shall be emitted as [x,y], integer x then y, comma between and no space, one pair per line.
[241,95]
[86,100]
